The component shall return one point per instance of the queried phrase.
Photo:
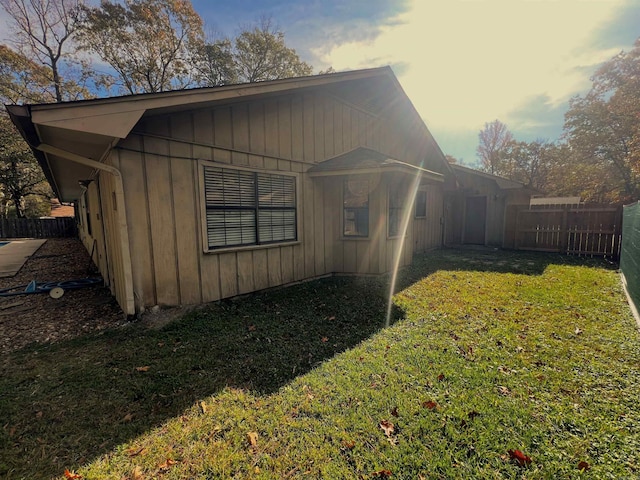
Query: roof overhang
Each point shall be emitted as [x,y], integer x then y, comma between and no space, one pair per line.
[362,161]
[91,128]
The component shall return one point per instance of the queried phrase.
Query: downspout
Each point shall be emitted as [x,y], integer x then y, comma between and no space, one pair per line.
[129,307]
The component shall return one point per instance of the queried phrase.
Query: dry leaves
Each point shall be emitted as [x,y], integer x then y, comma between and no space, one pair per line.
[203,406]
[143,369]
[71,475]
[387,427]
[584,466]
[252,437]
[519,458]
[431,405]
[136,474]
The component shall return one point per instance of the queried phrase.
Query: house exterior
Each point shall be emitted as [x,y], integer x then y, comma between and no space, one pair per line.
[475,211]
[192,196]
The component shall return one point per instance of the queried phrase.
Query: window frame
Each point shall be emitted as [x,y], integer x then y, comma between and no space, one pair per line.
[345,208]
[423,204]
[256,171]
[400,211]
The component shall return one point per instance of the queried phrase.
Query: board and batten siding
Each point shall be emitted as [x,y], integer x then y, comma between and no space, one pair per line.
[427,231]
[160,166]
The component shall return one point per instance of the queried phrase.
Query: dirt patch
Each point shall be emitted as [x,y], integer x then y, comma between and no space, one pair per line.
[25,319]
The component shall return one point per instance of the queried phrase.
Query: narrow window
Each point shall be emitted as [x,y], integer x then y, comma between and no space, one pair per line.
[396,210]
[421,204]
[356,208]
[248,208]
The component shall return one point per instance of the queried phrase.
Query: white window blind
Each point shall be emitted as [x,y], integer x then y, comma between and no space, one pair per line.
[249,208]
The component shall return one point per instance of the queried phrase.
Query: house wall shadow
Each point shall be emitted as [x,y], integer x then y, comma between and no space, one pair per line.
[79,399]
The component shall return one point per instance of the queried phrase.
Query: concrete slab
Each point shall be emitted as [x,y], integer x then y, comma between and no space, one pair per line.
[14,254]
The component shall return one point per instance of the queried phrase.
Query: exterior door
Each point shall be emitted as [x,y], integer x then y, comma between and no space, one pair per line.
[475,220]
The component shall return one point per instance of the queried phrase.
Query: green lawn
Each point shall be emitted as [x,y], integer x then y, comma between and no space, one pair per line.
[489,353]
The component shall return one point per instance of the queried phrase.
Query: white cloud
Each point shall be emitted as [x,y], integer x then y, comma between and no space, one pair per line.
[469,62]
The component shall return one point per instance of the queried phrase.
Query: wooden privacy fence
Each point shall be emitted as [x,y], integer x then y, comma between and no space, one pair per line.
[38,227]
[586,229]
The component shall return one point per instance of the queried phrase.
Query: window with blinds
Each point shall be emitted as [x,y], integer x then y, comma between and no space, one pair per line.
[248,208]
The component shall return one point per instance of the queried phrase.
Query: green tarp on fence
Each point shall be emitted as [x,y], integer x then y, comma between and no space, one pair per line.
[630,255]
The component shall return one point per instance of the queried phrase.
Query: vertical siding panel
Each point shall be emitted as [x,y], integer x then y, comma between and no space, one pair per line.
[271,128]
[297,135]
[135,192]
[240,131]
[338,133]
[245,272]
[308,129]
[256,161]
[318,227]
[228,274]
[319,132]
[284,128]
[308,227]
[346,128]
[260,269]
[162,225]
[329,213]
[350,252]
[222,127]
[203,133]
[362,128]
[210,273]
[256,141]
[287,264]
[186,219]
[270,163]
[363,256]
[329,125]
[355,128]
[275,267]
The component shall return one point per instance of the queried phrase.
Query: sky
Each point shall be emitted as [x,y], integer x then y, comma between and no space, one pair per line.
[462,63]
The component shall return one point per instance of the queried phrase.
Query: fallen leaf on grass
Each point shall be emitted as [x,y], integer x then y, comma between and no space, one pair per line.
[332,317]
[584,466]
[387,427]
[519,458]
[252,437]
[167,465]
[136,474]
[325,339]
[578,331]
[431,405]
[394,412]
[127,418]
[203,406]
[252,328]
[348,444]
[143,369]
[134,452]
[382,473]
[441,377]
[504,391]
[71,475]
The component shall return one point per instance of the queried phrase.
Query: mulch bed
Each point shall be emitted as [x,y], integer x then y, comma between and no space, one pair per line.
[38,318]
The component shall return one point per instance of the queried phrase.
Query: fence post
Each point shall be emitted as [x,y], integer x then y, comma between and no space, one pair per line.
[564,233]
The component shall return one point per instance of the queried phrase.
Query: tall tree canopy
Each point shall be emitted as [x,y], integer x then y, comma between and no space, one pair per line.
[261,54]
[602,129]
[257,54]
[21,177]
[494,140]
[151,44]
[43,35]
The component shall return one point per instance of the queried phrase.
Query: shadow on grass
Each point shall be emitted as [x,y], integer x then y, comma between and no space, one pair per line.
[482,259]
[65,404]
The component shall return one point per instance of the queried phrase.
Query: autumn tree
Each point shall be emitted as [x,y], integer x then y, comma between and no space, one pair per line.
[21,178]
[151,44]
[262,54]
[494,139]
[43,42]
[215,65]
[602,129]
